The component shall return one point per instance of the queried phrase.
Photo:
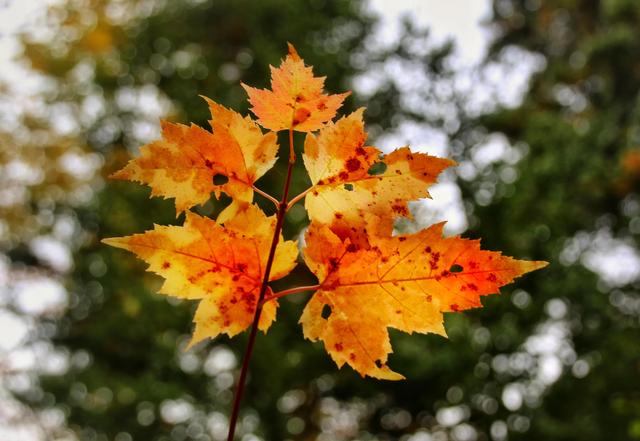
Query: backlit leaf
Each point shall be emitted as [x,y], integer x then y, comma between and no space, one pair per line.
[296,99]
[404,282]
[185,162]
[350,179]
[223,265]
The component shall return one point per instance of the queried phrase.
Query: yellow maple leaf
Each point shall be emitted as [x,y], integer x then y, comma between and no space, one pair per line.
[346,187]
[296,100]
[223,265]
[369,280]
[184,162]
[404,282]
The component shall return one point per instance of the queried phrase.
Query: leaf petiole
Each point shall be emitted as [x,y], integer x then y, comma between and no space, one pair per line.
[286,292]
[297,198]
[267,196]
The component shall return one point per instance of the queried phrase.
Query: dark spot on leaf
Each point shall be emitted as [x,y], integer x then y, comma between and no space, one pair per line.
[220,179]
[352,356]
[360,151]
[348,187]
[377,169]
[326,312]
[455,268]
[242,267]
[301,116]
[166,265]
[343,175]
[352,248]
[338,215]
[402,239]
[455,307]
[492,278]
[321,106]
[333,264]
[208,163]
[338,346]
[353,164]
[400,209]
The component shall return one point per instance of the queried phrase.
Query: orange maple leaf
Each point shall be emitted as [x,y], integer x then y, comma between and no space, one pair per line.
[184,162]
[405,282]
[346,183]
[369,279]
[296,100]
[221,265]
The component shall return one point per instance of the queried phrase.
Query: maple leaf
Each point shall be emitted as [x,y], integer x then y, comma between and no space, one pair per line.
[350,179]
[296,100]
[405,282]
[183,164]
[369,280]
[223,265]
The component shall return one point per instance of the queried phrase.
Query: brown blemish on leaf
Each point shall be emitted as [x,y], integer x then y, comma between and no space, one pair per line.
[301,116]
[353,164]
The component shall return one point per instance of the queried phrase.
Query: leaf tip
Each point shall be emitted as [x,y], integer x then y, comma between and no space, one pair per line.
[116,242]
[536,265]
[293,53]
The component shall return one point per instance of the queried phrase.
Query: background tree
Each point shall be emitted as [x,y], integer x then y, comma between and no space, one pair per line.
[553,177]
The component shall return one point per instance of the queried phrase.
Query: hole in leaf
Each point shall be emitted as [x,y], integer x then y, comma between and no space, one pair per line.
[377,169]
[379,364]
[326,311]
[455,268]
[348,187]
[220,179]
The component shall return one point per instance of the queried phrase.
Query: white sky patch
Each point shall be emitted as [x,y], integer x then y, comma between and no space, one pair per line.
[38,296]
[52,252]
[457,19]
[13,330]
[616,261]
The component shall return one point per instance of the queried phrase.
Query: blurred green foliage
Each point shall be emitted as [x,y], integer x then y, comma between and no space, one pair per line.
[575,136]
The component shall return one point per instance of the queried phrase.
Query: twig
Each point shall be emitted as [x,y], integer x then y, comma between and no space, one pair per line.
[282,209]
[286,292]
